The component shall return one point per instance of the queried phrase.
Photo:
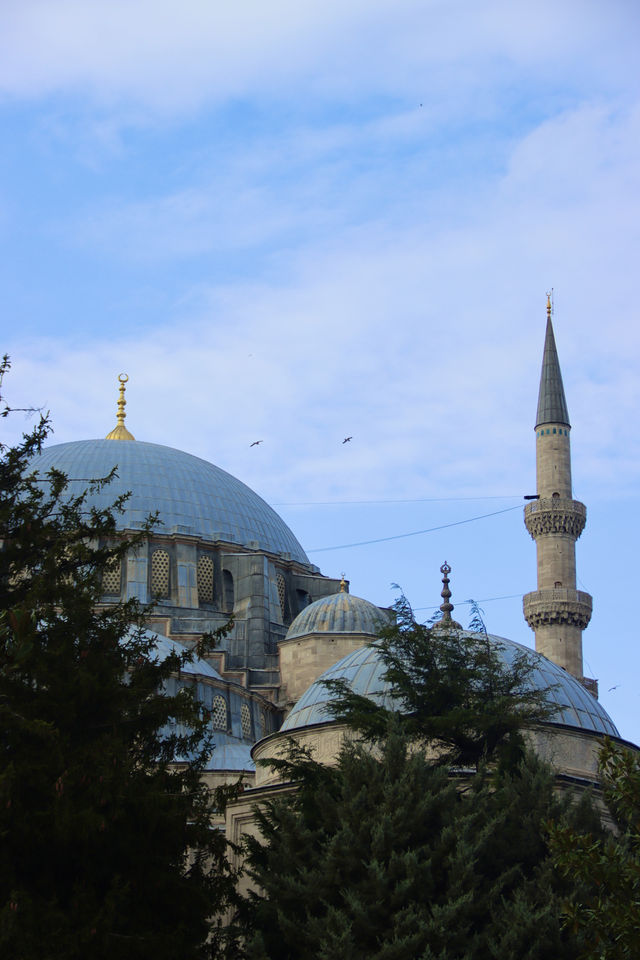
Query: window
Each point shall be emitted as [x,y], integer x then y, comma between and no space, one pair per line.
[219,713]
[282,596]
[227,584]
[304,599]
[160,573]
[205,580]
[245,717]
[112,577]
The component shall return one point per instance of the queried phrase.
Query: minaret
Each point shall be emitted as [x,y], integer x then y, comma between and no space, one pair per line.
[556,610]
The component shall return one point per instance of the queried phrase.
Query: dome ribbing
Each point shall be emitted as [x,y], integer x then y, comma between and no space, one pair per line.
[192,496]
[338,613]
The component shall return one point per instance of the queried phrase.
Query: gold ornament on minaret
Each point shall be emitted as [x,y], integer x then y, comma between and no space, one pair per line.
[120,432]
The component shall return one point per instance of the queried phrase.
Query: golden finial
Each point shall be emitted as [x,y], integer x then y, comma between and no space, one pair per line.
[549,303]
[343,585]
[120,432]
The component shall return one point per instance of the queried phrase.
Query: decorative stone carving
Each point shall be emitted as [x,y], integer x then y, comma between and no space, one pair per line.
[555,515]
[557,606]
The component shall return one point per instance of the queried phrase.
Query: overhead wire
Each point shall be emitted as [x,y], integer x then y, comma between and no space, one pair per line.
[462,603]
[413,533]
[331,503]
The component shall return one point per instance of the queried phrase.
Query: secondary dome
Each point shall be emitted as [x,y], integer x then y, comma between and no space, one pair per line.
[191,495]
[338,613]
[363,671]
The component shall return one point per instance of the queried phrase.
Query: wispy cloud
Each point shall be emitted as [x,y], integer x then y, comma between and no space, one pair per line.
[297,223]
[171,57]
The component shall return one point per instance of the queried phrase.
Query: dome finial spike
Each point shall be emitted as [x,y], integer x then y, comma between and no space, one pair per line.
[343,585]
[446,607]
[549,303]
[120,432]
[446,621]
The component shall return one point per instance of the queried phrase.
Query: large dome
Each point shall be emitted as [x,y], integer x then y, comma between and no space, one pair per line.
[363,670]
[191,495]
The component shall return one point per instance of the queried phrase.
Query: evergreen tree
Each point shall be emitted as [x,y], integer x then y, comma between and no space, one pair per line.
[106,846]
[608,914]
[451,688]
[385,856]
[405,852]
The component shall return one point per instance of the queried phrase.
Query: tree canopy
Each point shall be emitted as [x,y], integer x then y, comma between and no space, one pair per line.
[608,916]
[451,688]
[387,857]
[106,844]
[428,838]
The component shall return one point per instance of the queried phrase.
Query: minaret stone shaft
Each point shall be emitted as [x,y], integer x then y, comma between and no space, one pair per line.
[556,611]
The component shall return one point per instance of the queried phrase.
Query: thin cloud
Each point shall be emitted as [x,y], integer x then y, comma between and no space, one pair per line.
[170,57]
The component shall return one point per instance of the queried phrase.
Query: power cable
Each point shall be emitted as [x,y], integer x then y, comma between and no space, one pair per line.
[462,603]
[414,533]
[331,503]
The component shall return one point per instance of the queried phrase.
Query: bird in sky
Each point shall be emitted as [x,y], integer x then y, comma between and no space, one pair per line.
[613,688]
[347,439]
[255,443]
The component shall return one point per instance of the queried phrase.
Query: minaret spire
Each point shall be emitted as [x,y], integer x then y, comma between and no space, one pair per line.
[557,611]
[552,404]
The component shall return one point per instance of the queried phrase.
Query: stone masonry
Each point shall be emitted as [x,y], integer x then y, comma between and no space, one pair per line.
[556,611]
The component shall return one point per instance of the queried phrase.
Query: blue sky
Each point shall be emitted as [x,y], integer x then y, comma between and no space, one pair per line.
[300,222]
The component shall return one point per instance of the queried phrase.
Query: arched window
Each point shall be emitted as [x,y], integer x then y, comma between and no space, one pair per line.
[304,599]
[160,573]
[227,584]
[245,717]
[219,713]
[112,577]
[205,580]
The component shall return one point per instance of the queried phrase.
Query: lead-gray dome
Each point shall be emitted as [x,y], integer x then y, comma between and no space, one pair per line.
[191,495]
[338,613]
[363,670]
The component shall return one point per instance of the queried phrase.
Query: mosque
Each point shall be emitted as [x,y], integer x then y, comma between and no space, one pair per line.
[221,550]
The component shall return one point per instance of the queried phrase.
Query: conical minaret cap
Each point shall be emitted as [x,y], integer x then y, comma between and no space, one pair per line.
[552,405]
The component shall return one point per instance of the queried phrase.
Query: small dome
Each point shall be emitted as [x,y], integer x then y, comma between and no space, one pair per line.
[363,671]
[191,495]
[338,613]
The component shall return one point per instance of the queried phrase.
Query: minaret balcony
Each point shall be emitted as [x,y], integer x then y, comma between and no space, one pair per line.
[555,515]
[557,605]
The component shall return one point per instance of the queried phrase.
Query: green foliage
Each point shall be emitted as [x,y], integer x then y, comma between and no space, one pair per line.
[387,857]
[452,689]
[608,916]
[106,846]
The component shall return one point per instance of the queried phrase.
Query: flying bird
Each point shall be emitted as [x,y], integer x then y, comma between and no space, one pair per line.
[347,439]
[613,688]
[255,443]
